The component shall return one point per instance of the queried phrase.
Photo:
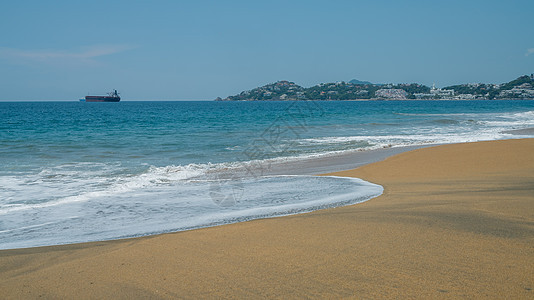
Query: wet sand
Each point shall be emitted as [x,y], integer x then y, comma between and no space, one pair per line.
[524,131]
[454,221]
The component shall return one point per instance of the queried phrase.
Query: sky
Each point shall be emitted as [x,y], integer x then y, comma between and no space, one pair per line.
[200,50]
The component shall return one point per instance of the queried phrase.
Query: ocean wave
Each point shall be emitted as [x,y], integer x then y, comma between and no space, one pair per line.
[436,115]
[526,114]
[403,140]
[179,207]
[445,122]
[79,182]
[511,115]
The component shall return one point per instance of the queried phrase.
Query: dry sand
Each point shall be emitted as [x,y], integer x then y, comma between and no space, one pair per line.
[454,221]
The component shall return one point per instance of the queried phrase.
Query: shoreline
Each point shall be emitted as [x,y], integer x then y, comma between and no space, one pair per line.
[303,167]
[522,131]
[334,162]
[454,221]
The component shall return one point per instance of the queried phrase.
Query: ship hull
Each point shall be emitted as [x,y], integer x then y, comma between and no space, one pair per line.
[102,99]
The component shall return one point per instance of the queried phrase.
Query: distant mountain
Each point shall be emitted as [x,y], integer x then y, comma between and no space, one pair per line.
[356,81]
[520,88]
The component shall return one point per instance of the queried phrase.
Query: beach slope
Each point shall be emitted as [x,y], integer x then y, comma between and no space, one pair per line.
[454,221]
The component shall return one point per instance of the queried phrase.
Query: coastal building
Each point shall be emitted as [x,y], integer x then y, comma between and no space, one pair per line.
[397,94]
[466,97]
[441,93]
[423,96]
[523,91]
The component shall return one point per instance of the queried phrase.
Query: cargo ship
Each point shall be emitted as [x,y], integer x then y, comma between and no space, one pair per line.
[111,97]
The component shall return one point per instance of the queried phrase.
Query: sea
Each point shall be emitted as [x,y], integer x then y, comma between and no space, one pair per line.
[75,172]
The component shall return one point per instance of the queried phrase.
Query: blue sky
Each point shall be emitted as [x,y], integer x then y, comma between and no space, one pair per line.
[198,50]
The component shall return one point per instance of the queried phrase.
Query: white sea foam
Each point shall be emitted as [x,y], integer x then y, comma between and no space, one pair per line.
[526,114]
[390,141]
[436,115]
[79,182]
[489,127]
[179,206]
[51,205]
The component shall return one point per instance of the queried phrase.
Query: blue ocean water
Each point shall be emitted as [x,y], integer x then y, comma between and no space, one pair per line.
[76,172]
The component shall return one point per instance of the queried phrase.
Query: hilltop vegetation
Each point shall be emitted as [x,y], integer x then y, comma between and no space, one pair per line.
[520,88]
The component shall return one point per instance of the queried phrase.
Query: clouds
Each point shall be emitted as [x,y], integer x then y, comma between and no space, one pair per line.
[82,55]
[529,52]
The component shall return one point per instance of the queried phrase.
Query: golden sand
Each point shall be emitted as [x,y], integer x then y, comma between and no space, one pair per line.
[454,221]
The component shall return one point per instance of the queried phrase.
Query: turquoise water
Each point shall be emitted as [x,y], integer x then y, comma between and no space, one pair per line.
[74,171]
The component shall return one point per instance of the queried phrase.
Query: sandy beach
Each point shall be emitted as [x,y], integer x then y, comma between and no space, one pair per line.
[455,221]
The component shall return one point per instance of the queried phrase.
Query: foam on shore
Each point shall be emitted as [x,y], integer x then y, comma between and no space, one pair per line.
[159,208]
